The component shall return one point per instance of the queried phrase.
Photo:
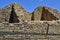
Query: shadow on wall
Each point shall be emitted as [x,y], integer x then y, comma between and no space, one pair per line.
[32,17]
[46,15]
[13,16]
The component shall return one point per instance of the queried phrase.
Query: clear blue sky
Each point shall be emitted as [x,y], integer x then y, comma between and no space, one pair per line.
[30,5]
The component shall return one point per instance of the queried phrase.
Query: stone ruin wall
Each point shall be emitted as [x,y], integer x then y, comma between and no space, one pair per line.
[35,30]
[35,26]
[45,14]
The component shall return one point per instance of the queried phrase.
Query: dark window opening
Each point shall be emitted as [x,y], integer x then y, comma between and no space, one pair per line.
[13,16]
[46,15]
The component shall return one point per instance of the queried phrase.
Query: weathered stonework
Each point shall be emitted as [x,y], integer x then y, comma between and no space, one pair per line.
[45,13]
[43,30]
[19,11]
[17,24]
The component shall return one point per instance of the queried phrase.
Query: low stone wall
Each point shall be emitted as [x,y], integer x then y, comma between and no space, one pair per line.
[35,30]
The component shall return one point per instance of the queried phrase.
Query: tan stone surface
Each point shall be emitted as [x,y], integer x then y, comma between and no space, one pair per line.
[46,13]
[42,24]
[54,28]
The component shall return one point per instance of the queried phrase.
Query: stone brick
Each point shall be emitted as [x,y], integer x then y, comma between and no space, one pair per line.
[17,24]
[54,28]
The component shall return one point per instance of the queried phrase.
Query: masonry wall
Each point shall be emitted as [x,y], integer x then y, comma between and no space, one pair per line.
[35,30]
